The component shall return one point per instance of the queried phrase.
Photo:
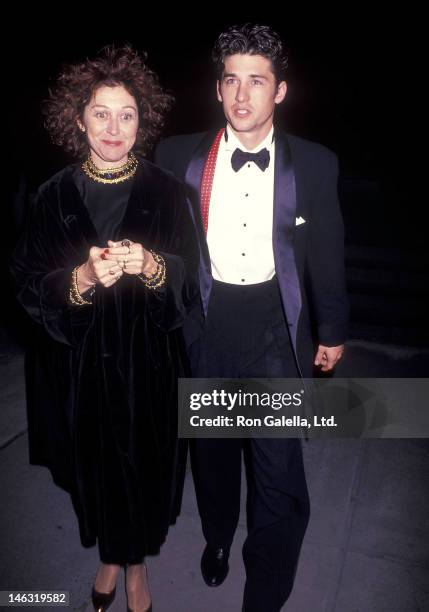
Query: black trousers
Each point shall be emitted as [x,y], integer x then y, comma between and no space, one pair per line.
[246,337]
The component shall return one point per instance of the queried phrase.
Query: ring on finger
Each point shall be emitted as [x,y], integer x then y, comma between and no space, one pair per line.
[127,243]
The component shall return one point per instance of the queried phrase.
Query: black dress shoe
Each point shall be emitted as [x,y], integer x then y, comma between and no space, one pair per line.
[214,565]
[101,601]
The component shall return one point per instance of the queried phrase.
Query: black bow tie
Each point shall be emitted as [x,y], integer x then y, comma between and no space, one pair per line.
[261,159]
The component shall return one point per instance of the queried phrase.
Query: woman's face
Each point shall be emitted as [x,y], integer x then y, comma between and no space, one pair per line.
[111,122]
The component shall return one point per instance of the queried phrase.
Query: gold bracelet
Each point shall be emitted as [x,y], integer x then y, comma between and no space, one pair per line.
[75,297]
[157,278]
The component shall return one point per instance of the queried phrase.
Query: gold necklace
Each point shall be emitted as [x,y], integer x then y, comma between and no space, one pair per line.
[111,176]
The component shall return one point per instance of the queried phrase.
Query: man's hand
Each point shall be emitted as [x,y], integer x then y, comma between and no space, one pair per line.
[327,356]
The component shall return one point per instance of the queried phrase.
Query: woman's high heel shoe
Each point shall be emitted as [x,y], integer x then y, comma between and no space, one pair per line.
[101,601]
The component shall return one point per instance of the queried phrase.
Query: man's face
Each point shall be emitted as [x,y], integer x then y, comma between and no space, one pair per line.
[249,93]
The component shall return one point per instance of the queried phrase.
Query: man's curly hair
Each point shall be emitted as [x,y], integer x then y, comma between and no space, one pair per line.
[77,84]
[251,39]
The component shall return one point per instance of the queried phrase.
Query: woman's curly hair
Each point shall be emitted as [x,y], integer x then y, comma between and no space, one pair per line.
[77,84]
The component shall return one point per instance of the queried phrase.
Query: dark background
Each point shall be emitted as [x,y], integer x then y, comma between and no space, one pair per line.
[351,86]
[344,84]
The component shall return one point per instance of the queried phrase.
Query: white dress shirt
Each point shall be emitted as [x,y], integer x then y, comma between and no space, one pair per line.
[240,226]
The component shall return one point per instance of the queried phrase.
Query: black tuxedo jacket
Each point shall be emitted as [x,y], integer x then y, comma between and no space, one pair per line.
[309,255]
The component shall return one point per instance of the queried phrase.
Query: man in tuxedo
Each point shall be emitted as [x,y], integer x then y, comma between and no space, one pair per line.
[271,238]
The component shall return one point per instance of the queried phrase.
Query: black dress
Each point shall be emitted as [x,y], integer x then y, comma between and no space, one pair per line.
[106,204]
[102,379]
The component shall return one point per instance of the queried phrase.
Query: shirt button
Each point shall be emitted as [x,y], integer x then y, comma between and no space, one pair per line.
[242,280]
[248,165]
[243,254]
[247,195]
[244,224]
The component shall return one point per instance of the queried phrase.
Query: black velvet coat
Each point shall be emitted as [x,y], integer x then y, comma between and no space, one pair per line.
[102,379]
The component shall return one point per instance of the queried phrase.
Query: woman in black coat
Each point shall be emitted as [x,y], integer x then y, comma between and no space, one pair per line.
[108,268]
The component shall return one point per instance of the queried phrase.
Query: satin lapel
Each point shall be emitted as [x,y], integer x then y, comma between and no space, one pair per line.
[283,234]
[193,178]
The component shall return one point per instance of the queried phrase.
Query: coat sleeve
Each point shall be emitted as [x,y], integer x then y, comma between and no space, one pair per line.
[169,306]
[325,260]
[42,276]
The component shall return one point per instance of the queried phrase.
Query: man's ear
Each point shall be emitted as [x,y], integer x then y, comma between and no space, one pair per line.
[281,92]
[219,94]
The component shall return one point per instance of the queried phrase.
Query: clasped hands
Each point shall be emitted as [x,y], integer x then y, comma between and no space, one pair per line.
[105,266]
